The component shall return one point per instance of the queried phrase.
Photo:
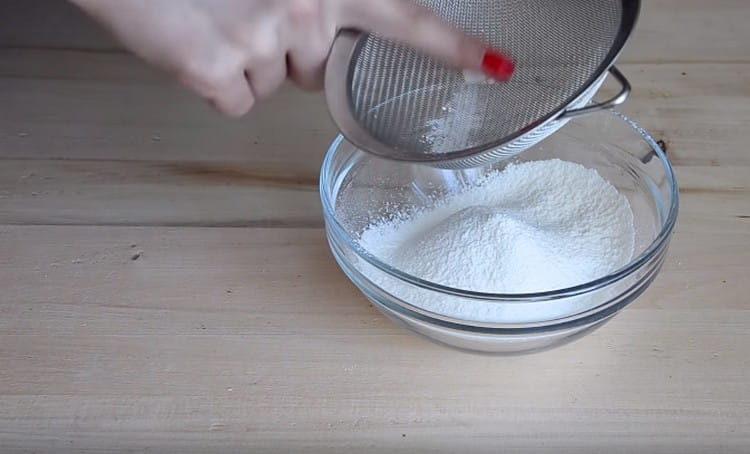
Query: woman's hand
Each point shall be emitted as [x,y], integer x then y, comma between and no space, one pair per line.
[233,52]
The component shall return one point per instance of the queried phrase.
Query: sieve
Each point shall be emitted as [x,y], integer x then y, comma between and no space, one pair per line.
[393,101]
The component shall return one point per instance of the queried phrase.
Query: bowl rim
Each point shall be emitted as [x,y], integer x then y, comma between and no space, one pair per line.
[661,240]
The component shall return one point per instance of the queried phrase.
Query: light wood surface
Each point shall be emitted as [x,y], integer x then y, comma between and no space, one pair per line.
[165,284]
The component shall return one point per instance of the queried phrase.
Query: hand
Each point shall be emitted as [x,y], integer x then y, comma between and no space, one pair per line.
[233,52]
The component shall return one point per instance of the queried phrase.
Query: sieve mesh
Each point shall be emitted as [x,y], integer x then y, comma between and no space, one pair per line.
[416,106]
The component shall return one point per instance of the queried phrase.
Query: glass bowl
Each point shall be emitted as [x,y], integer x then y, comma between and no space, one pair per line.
[358,189]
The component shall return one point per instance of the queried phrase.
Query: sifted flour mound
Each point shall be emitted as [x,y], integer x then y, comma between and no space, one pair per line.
[534,226]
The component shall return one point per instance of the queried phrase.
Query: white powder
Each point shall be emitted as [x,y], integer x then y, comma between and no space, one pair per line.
[461,116]
[454,128]
[535,226]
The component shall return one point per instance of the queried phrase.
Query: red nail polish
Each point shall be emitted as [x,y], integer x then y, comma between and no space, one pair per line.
[498,66]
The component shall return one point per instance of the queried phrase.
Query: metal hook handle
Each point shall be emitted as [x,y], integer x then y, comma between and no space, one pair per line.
[608,104]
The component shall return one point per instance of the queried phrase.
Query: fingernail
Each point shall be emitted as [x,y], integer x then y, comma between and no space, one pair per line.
[498,66]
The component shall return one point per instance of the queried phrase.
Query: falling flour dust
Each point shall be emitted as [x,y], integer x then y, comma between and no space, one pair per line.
[532,227]
[461,117]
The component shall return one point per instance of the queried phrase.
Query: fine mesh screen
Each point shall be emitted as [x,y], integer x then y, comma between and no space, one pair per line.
[415,105]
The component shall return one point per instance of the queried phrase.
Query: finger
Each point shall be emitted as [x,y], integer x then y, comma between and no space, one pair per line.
[230,96]
[307,63]
[220,79]
[419,27]
[263,42]
[234,98]
[266,76]
[307,74]
[306,57]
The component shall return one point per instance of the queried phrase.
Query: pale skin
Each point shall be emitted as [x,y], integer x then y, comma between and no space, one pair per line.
[235,52]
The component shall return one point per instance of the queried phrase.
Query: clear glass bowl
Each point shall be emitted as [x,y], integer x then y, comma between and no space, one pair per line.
[358,188]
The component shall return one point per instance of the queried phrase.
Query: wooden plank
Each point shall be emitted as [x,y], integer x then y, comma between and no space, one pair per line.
[126,121]
[193,167]
[67,64]
[697,111]
[680,31]
[50,24]
[115,107]
[96,114]
[155,193]
[668,30]
[251,338]
[235,194]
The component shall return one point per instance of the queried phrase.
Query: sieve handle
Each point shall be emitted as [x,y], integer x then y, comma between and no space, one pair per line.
[608,104]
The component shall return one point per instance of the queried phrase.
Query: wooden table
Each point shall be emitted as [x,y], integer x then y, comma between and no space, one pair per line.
[165,284]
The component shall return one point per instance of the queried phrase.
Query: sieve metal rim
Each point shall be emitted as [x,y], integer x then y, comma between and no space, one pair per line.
[579,107]
[339,75]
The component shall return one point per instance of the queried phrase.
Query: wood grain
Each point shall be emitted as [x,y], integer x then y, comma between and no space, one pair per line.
[125,164]
[132,120]
[165,284]
[155,193]
[684,31]
[50,24]
[78,113]
[232,337]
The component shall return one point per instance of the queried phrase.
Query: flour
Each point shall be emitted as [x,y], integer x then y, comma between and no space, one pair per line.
[535,226]
[461,116]
[459,121]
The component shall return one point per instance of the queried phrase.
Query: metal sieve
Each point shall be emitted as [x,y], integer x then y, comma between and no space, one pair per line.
[393,101]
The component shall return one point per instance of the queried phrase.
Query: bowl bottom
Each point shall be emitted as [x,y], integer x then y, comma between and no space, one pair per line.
[496,344]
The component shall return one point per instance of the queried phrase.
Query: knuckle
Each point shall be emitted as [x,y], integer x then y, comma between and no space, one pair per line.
[305,11]
[265,51]
[208,75]
[316,55]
